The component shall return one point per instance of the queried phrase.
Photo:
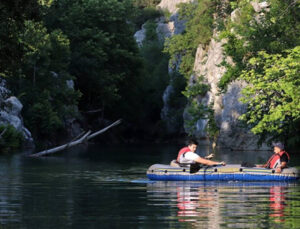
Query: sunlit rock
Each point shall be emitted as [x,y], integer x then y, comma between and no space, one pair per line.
[235,15]
[227,107]
[259,6]
[171,5]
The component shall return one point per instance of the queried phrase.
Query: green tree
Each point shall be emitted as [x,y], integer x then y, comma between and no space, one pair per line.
[274,30]
[10,139]
[273,95]
[155,76]
[104,55]
[144,10]
[12,17]
[42,81]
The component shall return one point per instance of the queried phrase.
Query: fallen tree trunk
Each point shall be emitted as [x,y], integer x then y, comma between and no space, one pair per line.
[87,136]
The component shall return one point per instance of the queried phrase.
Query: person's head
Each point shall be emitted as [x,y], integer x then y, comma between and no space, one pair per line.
[192,144]
[278,147]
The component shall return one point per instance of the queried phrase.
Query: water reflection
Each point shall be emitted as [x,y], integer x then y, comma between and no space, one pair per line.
[10,197]
[277,203]
[225,204]
[198,203]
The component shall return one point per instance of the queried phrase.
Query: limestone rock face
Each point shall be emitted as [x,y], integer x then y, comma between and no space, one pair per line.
[10,113]
[175,26]
[14,105]
[227,107]
[171,5]
[165,28]
[206,64]
[3,90]
[232,134]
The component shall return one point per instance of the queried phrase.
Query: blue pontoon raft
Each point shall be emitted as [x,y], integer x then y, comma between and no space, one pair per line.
[229,172]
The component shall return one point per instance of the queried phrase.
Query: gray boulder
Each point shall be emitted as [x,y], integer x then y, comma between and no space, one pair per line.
[10,113]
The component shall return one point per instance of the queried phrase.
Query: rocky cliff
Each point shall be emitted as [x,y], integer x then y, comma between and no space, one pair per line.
[226,106]
[10,113]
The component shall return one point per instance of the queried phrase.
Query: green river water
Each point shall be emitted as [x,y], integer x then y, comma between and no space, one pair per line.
[106,187]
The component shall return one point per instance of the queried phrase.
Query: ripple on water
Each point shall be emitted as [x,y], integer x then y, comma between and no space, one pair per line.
[234,205]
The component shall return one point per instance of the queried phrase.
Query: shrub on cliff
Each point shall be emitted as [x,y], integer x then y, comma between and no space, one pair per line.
[10,139]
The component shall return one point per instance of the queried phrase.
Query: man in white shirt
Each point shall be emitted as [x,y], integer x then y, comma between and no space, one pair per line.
[187,155]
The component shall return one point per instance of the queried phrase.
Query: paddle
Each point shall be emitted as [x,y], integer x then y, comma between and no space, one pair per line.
[210,156]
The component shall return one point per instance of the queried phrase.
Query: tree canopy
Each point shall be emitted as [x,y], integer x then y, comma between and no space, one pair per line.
[273,30]
[64,58]
[273,95]
[102,46]
[264,47]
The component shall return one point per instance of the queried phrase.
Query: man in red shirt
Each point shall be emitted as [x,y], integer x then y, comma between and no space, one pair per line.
[278,160]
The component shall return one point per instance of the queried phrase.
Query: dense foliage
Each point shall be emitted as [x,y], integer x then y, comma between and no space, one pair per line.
[273,95]
[274,30]
[35,64]
[12,17]
[10,139]
[64,56]
[143,11]
[155,76]
[103,50]
[259,44]
[42,83]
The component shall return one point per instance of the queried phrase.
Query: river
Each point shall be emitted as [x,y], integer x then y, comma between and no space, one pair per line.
[106,187]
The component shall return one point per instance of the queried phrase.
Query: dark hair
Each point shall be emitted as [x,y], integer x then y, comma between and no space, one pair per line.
[191,141]
[278,144]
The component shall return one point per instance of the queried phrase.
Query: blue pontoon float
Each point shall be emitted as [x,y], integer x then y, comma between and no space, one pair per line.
[231,172]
